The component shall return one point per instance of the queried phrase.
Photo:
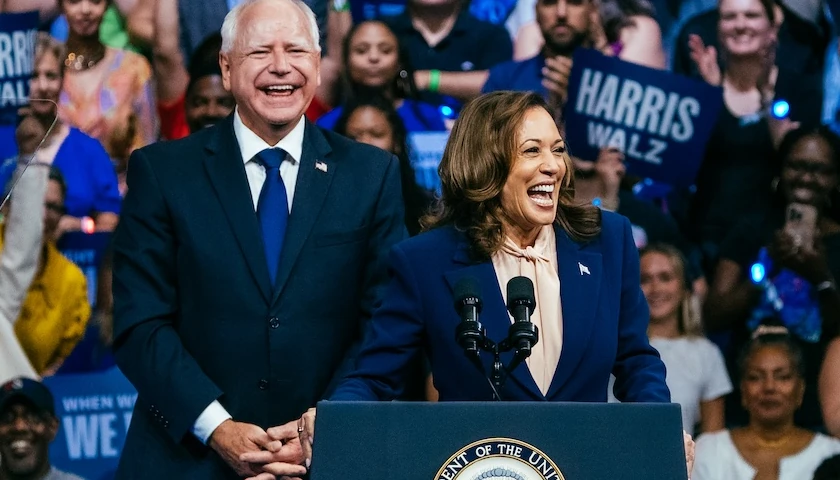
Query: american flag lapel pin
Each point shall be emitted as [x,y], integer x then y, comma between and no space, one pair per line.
[319,165]
[584,270]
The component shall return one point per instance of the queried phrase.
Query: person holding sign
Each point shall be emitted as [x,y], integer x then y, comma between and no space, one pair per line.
[507,211]
[565,27]
[738,168]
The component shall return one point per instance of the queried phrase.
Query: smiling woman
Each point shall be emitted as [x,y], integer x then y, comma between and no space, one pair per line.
[375,63]
[507,210]
[770,446]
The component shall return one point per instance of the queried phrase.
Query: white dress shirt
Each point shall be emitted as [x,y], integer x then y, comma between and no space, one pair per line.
[249,146]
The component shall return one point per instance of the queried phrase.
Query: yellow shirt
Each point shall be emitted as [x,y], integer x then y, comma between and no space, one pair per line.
[55,312]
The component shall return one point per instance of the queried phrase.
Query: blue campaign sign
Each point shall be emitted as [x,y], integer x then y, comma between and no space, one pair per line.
[17,51]
[426,151]
[660,120]
[86,250]
[94,411]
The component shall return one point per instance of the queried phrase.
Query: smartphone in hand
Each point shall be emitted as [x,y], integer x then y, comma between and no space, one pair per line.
[801,224]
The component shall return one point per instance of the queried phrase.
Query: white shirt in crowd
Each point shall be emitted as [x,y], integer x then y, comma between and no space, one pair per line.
[695,373]
[717,458]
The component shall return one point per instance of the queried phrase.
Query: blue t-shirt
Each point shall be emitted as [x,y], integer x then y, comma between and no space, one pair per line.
[92,185]
[417,117]
[522,76]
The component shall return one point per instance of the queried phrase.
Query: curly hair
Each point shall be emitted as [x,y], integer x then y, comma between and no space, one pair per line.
[476,162]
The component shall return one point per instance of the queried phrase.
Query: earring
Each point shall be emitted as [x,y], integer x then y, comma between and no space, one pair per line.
[774,185]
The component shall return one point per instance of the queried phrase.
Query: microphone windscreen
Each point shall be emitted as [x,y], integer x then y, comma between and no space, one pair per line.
[520,290]
[465,288]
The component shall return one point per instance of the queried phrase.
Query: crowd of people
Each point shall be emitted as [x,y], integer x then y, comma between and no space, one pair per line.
[739,271]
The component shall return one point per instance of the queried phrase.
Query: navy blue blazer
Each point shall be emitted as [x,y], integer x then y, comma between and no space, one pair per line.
[605,319]
[195,316]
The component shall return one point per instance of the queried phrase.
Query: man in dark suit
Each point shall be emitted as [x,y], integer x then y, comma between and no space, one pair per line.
[240,290]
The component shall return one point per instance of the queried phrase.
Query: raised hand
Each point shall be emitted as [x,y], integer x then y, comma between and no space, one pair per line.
[29,132]
[706,60]
[556,79]
[610,169]
[597,35]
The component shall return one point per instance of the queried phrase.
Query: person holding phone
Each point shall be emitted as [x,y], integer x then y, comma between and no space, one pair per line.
[784,264]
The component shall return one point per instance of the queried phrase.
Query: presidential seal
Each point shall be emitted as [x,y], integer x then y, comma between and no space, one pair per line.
[499,459]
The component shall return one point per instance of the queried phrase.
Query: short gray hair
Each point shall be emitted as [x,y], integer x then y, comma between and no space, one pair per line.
[231,23]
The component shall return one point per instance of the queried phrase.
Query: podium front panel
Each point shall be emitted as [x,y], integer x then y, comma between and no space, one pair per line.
[497,440]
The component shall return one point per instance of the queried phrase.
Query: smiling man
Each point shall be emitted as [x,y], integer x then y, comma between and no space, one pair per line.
[27,426]
[247,260]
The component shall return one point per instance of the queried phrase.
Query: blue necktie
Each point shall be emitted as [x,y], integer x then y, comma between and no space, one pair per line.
[272,208]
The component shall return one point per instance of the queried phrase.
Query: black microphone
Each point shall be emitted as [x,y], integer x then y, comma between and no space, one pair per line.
[468,305]
[521,303]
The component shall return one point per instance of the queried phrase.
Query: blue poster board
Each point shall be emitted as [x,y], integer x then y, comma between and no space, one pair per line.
[660,120]
[17,54]
[86,250]
[426,150]
[94,411]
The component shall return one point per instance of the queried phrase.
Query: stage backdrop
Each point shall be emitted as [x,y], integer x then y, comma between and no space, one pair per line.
[661,121]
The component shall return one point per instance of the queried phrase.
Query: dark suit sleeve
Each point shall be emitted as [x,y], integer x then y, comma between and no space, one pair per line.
[639,372]
[393,338]
[147,347]
[388,229]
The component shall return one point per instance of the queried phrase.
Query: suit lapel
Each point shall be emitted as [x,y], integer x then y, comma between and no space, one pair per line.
[310,192]
[579,292]
[227,175]
[494,315]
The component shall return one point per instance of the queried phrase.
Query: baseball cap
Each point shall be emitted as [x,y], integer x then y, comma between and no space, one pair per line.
[32,391]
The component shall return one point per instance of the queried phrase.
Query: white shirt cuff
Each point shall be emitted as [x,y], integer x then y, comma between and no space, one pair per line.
[209,420]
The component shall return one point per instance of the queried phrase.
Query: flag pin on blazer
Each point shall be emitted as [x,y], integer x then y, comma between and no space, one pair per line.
[319,165]
[584,270]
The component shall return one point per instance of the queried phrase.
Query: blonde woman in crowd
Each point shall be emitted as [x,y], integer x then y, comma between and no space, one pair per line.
[695,369]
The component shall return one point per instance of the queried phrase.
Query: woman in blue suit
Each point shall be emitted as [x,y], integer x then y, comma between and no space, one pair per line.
[508,210]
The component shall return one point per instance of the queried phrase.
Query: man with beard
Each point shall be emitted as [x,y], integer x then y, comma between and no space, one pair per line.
[189,98]
[27,426]
[565,26]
